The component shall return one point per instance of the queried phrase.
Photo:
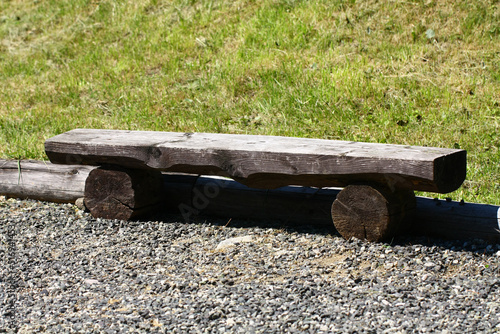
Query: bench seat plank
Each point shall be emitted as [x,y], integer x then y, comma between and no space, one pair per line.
[265,161]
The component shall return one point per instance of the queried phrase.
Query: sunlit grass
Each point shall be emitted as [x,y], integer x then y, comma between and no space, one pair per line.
[413,72]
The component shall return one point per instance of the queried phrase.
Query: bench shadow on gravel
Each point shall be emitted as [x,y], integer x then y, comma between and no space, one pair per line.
[475,246]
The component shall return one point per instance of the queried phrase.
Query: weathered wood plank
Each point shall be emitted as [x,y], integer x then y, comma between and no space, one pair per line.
[42,181]
[265,161]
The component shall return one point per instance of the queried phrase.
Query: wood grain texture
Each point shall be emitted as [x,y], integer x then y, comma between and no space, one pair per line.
[42,180]
[265,161]
[372,213]
[114,192]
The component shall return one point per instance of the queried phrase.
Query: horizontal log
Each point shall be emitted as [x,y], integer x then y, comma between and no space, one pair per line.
[194,196]
[457,220]
[289,205]
[42,180]
[311,206]
[265,161]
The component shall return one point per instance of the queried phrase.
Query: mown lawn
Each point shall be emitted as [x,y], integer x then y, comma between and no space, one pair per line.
[404,72]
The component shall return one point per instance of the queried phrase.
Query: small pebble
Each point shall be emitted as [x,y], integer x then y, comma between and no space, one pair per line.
[80,204]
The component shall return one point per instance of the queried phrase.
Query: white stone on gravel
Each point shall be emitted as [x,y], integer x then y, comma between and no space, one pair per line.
[234,241]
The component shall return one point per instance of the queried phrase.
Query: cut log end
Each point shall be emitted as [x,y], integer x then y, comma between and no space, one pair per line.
[372,213]
[113,192]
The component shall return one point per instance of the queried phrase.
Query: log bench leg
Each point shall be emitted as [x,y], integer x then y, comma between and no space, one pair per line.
[114,192]
[372,213]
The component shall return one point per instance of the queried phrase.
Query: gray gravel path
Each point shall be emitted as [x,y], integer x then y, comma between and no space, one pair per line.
[64,271]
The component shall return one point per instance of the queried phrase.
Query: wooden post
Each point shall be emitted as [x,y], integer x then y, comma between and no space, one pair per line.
[372,213]
[114,192]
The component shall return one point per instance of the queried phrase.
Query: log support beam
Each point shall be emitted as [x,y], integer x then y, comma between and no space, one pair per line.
[115,192]
[373,213]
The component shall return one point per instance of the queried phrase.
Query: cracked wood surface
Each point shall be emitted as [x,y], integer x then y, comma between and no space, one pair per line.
[265,161]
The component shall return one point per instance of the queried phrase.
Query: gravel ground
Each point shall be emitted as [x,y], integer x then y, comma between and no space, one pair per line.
[64,271]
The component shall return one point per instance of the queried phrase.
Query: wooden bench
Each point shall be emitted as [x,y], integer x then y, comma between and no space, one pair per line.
[379,179]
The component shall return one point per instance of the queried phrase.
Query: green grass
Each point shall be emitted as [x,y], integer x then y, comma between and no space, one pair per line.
[351,70]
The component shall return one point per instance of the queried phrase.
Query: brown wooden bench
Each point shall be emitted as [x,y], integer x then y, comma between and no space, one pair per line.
[379,179]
